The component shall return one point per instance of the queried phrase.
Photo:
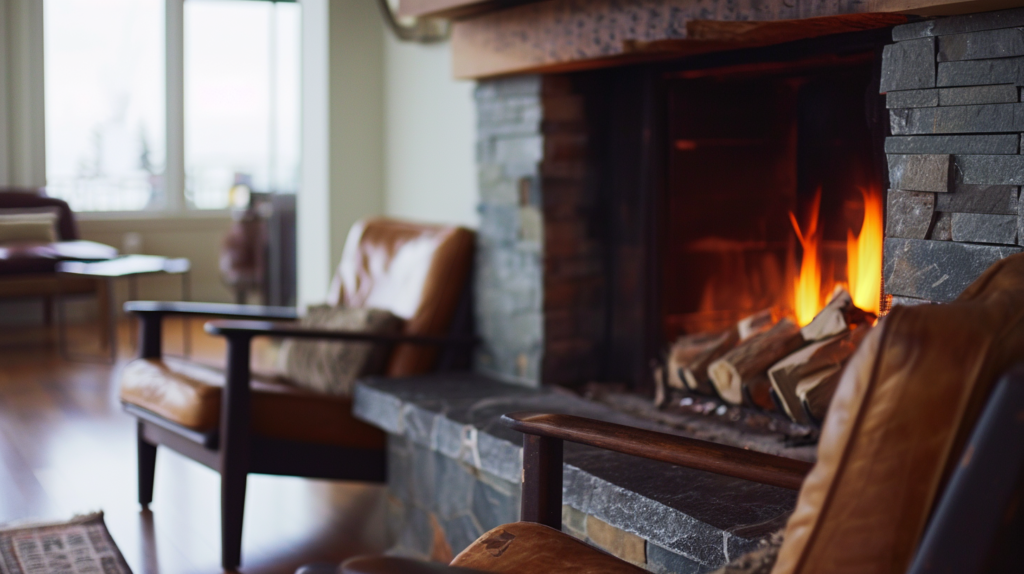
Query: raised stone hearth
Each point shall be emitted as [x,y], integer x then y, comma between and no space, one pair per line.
[454,473]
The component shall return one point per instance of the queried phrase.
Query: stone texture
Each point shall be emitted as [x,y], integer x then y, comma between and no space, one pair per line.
[979,45]
[994,199]
[908,65]
[990,118]
[912,99]
[925,172]
[980,72]
[942,230]
[984,228]
[975,95]
[960,24]
[997,144]
[936,270]
[508,272]
[989,169]
[661,561]
[701,517]
[909,214]
[625,545]
[1020,222]
[909,301]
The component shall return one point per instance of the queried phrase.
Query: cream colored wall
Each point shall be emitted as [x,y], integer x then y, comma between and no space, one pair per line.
[429,136]
[197,237]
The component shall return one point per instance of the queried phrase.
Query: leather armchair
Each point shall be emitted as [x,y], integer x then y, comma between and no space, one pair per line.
[237,422]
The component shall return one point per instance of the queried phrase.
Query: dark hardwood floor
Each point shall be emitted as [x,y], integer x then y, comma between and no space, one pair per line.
[67,448]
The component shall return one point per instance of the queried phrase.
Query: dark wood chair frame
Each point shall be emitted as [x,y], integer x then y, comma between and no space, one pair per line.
[233,449]
[977,524]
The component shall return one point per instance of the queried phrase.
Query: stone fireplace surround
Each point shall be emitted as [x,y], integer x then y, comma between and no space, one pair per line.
[953,89]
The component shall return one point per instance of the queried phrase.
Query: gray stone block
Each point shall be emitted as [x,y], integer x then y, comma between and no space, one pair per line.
[909,214]
[936,270]
[912,99]
[996,144]
[980,72]
[992,199]
[990,118]
[925,172]
[492,508]
[661,561]
[942,230]
[985,228]
[908,65]
[1020,222]
[960,24]
[979,45]
[989,169]
[975,95]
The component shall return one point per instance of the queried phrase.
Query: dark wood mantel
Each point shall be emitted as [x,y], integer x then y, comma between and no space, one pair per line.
[501,37]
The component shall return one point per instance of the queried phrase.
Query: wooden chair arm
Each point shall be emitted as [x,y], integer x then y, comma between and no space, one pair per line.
[680,451]
[211,310]
[542,458]
[394,565]
[294,330]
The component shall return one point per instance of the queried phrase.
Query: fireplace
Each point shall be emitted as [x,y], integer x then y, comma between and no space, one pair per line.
[664,193]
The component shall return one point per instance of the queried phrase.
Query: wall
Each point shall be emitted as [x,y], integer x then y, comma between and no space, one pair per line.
[429,136]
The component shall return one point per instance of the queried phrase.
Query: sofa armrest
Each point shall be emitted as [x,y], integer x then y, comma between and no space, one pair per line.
[542,457]
[229,328]
[212,310]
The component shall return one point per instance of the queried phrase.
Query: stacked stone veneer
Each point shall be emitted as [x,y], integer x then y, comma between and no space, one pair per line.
[953,87]
[509,289]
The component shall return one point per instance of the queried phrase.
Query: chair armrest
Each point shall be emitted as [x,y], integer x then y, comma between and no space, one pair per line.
[395,565]
[211,310]
[680,451]
[230,328]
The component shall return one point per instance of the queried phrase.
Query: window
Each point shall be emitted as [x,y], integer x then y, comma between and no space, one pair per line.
[241,98]
[105,125]
[106,103]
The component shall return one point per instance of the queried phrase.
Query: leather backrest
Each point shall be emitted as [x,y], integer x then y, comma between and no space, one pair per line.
[903,410]
[28,198]
[416,271]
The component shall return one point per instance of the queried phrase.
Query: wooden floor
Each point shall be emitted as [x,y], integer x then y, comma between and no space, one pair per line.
[67,448]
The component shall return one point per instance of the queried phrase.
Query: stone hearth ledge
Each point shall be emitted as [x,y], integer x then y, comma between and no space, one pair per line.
[705,518]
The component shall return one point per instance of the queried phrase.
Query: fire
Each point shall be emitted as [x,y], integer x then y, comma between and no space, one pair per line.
[807,300]
[864,255]
[863,261]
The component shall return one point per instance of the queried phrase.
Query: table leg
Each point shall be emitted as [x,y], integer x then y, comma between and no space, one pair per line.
[186,295]
[62,325]
[133,295]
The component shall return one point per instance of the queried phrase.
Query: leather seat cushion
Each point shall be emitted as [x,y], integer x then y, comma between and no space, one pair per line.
[189,394]
[531,547]
[900,417]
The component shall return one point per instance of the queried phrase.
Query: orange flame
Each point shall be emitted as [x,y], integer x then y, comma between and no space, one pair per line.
[807,300]
[864,255]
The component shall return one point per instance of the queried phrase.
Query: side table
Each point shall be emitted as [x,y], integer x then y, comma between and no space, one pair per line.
[130,267]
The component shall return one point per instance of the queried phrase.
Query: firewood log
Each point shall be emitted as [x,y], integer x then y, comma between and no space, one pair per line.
[816,393]
[690,356]
[839,316]
[756,324]
[809,367]
[752,358]
[757,392]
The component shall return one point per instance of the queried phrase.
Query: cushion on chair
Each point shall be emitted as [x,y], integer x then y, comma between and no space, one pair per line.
[416,271]
[332,367]
[189,394]
[897,424]
[530,547]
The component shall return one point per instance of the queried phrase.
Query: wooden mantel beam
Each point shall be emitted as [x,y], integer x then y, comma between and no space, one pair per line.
[501,37]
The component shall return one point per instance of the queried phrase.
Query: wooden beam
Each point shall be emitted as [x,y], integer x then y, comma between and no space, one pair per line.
[565,35]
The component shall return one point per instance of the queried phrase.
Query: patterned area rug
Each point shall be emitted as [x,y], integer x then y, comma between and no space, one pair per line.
[79,546]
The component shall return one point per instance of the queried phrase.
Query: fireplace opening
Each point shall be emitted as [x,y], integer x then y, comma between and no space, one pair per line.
[682,196]
[770,184]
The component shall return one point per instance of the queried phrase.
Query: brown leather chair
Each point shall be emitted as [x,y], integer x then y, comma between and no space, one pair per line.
[238,424]
[920,466]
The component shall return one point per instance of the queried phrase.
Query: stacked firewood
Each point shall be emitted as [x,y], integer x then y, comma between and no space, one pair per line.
[768,362]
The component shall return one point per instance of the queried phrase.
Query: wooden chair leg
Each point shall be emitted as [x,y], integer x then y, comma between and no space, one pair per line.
[147,467]
[232,510]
